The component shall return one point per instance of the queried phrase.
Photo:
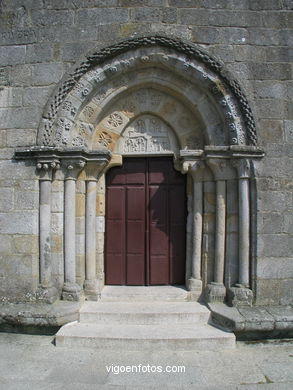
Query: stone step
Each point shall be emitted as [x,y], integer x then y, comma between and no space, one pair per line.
[171,337]
[144,293]
[143,313]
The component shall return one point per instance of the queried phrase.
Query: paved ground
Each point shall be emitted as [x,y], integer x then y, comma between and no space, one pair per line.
[34,363]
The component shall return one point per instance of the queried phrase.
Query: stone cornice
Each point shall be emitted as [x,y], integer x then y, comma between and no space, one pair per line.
[222,152]
[51,154]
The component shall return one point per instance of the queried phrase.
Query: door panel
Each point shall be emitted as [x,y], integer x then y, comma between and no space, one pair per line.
[145,223]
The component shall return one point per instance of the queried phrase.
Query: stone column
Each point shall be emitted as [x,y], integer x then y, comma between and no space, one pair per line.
[46,291]
[194,283]
[216,290]
[71,290]
[241,294]
[91,287]
[115,161]
[100,228]
[188,238]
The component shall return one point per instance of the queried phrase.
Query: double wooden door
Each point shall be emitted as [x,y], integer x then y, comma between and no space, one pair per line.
[145,223]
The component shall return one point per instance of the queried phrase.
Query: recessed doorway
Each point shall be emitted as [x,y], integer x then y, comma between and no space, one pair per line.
[145,223]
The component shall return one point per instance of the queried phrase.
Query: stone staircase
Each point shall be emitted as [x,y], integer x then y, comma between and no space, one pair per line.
[144,318]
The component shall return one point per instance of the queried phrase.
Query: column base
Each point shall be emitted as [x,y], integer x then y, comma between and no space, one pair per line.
[71,292]
[215,292]
[195,288]
[91,290]
[47,294]
[239,295]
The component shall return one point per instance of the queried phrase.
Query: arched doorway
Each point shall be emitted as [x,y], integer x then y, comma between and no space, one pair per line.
[203,120]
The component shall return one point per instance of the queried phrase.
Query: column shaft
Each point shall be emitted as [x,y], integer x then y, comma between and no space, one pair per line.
[189,245]
[69,231]
[90,230]
[244,231]
[220,231]
[197,230]
[44,237]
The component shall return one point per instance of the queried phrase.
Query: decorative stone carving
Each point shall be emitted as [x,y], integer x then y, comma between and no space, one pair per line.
[115,120]
[147,134]
[67,106]
[105,139]
[200,62]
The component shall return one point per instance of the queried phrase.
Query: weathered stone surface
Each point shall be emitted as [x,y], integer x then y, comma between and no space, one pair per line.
[227,317]
[289,130]
[10,97]
[12,55]
[254,39]
[16,118]
[286,292]
[283,316]
[5,246]
[25,244]
[36,96]
[102,16]
[26,200]
[45,74]
[19,222]
[6,199]
[275,268]
[257,318]
[20,137]
[39,313]
[41,18]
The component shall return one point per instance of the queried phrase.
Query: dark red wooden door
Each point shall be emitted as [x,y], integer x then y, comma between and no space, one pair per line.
[145,223]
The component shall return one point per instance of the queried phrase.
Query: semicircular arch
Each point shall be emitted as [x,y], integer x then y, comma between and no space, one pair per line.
[190,75]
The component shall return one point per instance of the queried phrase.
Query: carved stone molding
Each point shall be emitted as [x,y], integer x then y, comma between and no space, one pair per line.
[243,167]
[49,159]
[183,48]
[221,168]
[72,168]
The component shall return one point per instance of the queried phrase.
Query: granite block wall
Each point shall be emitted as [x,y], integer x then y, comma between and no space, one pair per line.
[41,39]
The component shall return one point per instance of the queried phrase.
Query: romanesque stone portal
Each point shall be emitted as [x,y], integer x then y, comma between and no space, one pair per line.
[151,97]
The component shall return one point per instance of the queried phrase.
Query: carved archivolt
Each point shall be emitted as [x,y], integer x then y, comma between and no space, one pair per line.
[163,77]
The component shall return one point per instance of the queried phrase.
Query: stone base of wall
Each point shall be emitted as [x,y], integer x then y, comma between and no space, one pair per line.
[254,323]
[248,323]
[37,318]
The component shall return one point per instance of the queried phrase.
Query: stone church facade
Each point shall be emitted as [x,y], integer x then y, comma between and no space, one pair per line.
[147,143]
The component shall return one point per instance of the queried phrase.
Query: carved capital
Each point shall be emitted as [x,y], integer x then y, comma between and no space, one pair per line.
[243,167]
[221,168]
[46,167]
[72,168]
[94,169]
[195,168]
[116,161]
